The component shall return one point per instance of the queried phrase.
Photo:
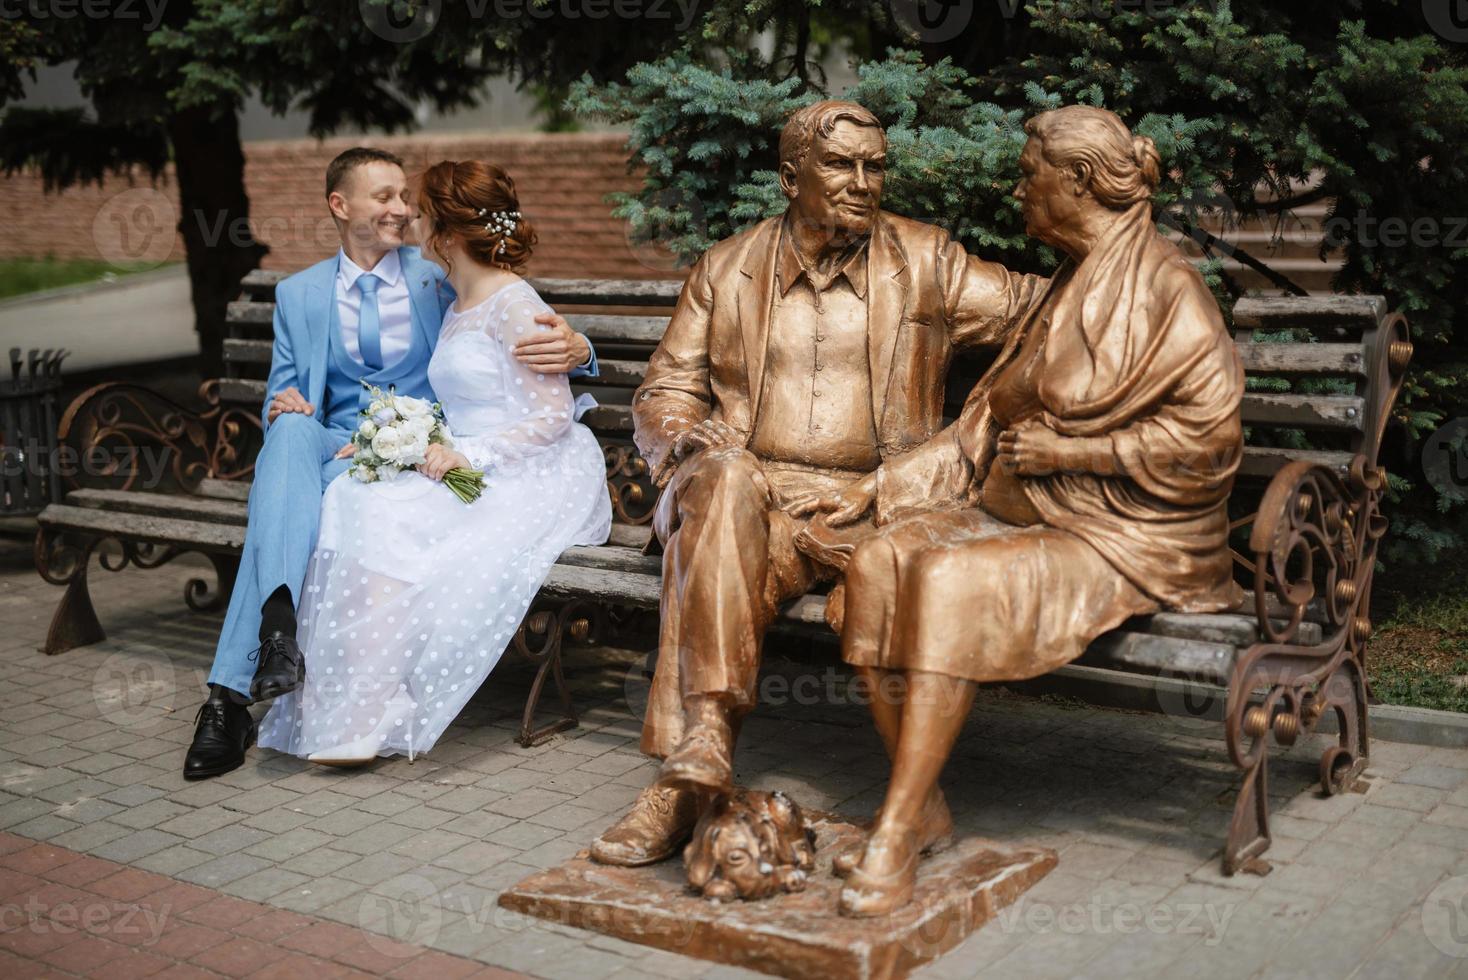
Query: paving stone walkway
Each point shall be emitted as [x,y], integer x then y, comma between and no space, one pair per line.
[413,856]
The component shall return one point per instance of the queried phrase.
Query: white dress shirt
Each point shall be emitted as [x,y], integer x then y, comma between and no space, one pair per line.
[395,313]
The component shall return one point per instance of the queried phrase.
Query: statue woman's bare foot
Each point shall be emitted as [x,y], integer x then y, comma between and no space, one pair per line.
[884,880]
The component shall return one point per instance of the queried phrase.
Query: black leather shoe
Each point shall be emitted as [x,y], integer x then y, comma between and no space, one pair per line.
[223,731]
[280,668]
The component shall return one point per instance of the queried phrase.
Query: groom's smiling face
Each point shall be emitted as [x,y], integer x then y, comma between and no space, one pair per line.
[371,206]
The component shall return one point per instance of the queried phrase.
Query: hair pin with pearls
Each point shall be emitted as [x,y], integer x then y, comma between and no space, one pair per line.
[500,223]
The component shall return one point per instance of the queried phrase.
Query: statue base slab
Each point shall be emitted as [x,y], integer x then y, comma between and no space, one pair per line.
[797,935]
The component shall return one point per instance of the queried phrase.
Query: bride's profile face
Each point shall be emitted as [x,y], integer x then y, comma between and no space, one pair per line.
[422,230]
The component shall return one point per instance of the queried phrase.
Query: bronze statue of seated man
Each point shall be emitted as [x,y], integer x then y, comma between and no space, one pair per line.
[803,353]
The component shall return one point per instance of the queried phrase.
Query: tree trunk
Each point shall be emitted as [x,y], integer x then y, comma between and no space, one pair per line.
[214,219]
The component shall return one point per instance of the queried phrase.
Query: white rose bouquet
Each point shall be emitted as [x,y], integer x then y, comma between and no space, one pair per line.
[394,435]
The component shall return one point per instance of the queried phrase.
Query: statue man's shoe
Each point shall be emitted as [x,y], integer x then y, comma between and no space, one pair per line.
[937,835]
[658,824]
[703,760]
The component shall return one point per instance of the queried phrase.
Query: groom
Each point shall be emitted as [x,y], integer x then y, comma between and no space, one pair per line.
[370,313]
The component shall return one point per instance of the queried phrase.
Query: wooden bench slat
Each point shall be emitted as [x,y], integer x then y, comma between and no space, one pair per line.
[611,371]
[608,292]
[1259,461]
[1304,411]
[1309,312]
[613,558]
[1265,461]
[601,585]
[1146,653]
[186,506]
[1302,358]
[223,489]
[209,537]
[238,391]
[238,351]
[605,292]
[600,327]
[1236,629]
[607,328]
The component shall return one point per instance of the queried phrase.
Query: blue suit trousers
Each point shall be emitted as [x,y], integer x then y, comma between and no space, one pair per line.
[291,474]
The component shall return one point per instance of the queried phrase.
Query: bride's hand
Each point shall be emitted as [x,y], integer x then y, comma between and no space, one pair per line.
[438,461]
[346,452]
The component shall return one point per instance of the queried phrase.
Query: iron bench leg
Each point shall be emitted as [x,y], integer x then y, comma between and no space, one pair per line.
[75,623]
[540,639]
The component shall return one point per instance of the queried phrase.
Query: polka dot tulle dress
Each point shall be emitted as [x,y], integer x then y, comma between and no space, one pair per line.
[411,595]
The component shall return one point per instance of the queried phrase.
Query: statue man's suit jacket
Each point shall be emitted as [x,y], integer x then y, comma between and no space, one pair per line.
[925,297]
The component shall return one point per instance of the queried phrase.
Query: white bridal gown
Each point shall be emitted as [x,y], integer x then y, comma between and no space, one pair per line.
[412,595]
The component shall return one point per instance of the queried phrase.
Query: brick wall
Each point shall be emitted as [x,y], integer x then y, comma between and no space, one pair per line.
[562,179]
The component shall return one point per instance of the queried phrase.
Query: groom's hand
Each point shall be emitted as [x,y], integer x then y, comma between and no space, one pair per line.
[555,348]
[289,400]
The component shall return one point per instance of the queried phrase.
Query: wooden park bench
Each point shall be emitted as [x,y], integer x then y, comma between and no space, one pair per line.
[1306,520]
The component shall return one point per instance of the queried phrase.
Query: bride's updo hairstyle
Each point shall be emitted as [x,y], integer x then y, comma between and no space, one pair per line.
[476,203]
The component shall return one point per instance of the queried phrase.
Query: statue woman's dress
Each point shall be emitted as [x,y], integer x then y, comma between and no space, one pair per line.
[994,576]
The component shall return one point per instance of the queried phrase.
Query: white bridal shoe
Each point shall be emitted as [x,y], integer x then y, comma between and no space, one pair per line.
[360,751]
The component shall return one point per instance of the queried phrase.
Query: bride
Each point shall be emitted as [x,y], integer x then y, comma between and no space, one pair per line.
[411,595]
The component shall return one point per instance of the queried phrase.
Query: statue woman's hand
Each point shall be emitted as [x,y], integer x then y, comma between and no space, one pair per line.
[1032,448]
[844,507]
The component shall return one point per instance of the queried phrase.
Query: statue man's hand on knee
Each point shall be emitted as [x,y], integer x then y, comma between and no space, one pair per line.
[705,435]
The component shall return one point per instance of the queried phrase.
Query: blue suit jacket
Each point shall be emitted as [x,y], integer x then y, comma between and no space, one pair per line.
[303,317]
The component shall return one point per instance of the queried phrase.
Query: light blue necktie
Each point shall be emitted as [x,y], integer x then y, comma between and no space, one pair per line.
[369,323]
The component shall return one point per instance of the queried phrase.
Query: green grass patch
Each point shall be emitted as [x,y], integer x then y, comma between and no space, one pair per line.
[20,276]
[1419,655]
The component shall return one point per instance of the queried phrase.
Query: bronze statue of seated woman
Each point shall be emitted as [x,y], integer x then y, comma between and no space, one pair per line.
[1085,482]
